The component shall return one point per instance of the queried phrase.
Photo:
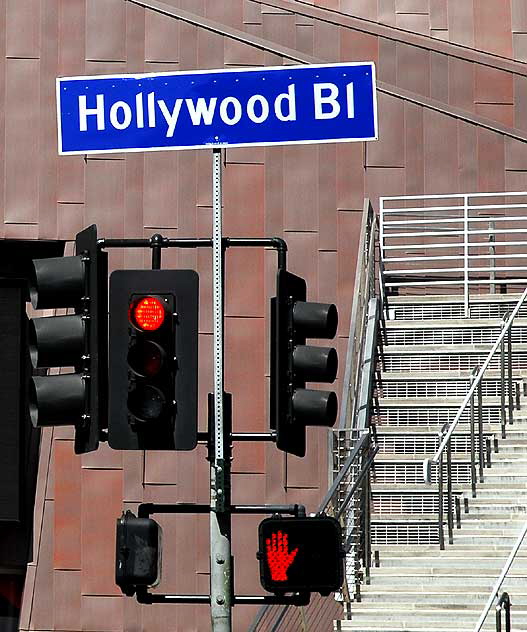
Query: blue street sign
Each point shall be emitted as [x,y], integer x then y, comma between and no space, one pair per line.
[217,108]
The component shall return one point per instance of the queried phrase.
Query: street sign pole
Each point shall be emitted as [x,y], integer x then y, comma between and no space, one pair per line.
[220,519]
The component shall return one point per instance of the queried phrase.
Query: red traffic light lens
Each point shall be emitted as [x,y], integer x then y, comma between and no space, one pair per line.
[148,313]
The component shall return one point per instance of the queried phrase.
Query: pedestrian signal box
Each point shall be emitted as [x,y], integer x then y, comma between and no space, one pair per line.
[301,554]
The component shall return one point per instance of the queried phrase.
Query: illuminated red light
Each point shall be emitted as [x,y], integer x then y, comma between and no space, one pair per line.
[279,558]
[148,313]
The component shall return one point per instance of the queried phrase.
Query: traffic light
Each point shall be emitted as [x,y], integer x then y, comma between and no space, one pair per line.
[77,340]
[153,357]
[301,554]
[293,363]
[138,553]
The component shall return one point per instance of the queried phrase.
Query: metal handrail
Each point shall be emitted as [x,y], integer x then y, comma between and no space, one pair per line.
[446,438]
[501,578]
[348,497]
[504,603]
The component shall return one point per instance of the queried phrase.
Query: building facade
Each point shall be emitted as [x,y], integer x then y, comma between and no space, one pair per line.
[452,105]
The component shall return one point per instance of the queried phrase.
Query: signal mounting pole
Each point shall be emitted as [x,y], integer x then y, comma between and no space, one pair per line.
[220,516]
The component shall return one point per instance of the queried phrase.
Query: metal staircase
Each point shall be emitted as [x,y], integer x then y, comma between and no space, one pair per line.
[415,585]
[438,548]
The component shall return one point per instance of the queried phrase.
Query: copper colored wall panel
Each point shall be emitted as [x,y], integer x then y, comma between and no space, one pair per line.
[492,26]
[42,598]
[67,527]
[414,137]
[388,151]
[22,107]
[66,600]
[22,28]
[461,22]
[440,143]
[106,30]
[102,614]
[98,515]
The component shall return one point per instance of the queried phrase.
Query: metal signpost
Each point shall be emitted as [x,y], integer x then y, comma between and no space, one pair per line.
[217,109]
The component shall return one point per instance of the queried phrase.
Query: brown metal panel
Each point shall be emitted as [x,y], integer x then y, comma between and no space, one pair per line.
[387,12]
[67,527]
[252,12]
[388,151]
[360,8]
[22,24]
[305,472]
[210,49]
[387,68]
[160,467]
[492,26]
[350,174]
[275,468]
[50,483]
[66,600]
[42,610]
[414,22]
[103,458]
[327,279]
[439,77]
[300,188]
[188,46]
[105,196]
[70,187]
[135,37]
[461,89]
[102,614]
[42,478]
[438,14]
[519,41]
[279,28]
[231,13]
[244,269]
[302,259]
[492,85]
[461,22]
[327,196]
[327,41]
[106,30]
[244,371]
[413,69]
[160,192]
[71,42]
[356,46]
[133,615]
[305,39]
[22,114]
[274,190]
[133,475]
[440,145]
[414,150]
[98,535]
[161,38]
[133,219]
[240,54]
[504,113]
[518,16]
[47,157]
[243,199]
[349,229]
[245,155]
[27,597]
[491,160]
[205,383]
[245,545]
[412,6]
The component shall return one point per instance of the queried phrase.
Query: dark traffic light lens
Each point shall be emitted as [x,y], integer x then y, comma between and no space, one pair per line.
[146,402]
[147,313]
[146,358]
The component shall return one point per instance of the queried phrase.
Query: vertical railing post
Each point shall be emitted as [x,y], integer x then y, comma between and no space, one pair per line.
[450,513]
[481,447]
[440,501]
[509,375]
[492,252]
[466,255]
[472,444]
[503,412]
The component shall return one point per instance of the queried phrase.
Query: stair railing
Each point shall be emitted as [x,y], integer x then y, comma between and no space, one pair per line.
[503,605]
[503,601]
[352,446]
[474,402]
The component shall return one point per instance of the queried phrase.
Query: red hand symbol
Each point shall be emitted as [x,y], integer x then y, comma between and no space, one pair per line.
[278,556]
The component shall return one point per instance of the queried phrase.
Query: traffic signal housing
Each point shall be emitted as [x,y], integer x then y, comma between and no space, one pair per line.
[293,363]
[301,554]
[138,553]
[153,359]
[76,340]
